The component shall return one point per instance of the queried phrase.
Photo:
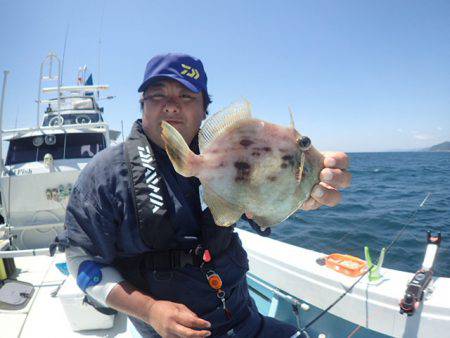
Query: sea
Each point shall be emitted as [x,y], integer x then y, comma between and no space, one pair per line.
[385,196]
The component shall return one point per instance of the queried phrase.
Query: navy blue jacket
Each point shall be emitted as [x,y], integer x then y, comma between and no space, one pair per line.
[101,219]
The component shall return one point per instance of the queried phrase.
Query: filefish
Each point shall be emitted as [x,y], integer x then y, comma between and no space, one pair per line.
[247,165]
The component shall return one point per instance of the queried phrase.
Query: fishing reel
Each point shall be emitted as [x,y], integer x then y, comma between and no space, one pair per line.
[415,290]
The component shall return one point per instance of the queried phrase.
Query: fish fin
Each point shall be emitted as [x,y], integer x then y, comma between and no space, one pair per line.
[267,221]
[216,124]
[299,173]
[291,113]
[224,213]
[178,151]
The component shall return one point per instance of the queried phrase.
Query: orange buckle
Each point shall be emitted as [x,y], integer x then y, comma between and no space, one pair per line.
[214,280]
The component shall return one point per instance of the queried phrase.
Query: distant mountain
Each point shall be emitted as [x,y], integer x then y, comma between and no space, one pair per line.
[445,146]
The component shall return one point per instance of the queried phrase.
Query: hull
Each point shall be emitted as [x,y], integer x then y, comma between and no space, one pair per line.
[35,198]
[280,276]
[370,309]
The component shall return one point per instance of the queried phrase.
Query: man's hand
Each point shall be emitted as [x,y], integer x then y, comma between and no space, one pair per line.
[172,320]
[334,176]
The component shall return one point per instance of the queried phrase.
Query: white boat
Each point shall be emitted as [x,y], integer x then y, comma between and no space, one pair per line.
[43,162]
[285,281]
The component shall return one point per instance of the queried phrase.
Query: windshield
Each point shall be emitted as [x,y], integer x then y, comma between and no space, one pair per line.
[32,149]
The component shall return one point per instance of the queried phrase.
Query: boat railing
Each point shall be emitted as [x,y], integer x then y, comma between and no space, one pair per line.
[276,292]
[62,128]
[24,253]
[30,226]
[50,59]
[9,230]
[276,296]
[81,88]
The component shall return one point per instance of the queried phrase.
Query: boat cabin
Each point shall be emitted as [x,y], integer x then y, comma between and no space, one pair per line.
[43,162]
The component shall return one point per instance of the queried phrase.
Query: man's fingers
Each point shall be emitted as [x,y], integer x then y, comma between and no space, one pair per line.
[188,318]
[249,214]
[326,195]
[193,322]
[183,331]
[337,160]
[336,178]
[311,204]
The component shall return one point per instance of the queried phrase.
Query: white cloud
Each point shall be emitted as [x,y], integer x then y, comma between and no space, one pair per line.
[423,136]
[400,130]
[439,128]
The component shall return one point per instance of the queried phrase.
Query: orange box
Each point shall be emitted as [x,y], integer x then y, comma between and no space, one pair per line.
[348,265]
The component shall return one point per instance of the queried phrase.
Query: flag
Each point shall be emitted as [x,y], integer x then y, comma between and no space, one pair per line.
[89,82]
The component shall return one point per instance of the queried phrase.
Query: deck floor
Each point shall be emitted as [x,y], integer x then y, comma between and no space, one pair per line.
[44,315]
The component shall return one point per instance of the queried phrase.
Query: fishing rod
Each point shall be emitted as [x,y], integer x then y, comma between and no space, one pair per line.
[410,220]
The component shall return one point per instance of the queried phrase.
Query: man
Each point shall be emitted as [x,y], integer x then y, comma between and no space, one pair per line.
[140,241]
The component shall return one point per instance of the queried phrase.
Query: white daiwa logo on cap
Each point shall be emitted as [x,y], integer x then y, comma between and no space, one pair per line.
[192,71]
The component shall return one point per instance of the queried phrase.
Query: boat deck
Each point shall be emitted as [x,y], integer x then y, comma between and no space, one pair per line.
[44,315]
[281,275]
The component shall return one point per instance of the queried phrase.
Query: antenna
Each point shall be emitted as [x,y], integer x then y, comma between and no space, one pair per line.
[100,47]
[2,100]
[17,114]
[123,139]
[64,55]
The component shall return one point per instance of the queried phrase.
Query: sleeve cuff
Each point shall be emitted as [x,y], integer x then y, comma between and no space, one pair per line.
[110,276]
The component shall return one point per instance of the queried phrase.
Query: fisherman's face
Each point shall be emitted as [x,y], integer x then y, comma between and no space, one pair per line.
[170,101]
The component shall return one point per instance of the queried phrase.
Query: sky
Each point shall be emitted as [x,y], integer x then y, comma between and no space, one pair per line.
[359,75]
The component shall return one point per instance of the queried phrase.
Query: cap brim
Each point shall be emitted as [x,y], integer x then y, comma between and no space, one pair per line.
[184,82]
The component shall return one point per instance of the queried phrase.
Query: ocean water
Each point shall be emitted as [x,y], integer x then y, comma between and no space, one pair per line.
[386,189]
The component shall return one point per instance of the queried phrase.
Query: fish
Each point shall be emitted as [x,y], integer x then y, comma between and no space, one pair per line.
[247,165]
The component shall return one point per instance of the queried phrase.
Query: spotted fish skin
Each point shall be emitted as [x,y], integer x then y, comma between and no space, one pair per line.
[252,166]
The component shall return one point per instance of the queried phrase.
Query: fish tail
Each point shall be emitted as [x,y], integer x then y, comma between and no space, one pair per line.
[182,158]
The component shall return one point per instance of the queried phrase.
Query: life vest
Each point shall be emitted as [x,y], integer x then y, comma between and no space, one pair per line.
[149,195]
[148,190]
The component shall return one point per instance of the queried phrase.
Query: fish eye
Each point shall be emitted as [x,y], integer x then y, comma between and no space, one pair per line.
[304,143]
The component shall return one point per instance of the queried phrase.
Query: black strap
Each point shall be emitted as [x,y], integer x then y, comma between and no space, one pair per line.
[102,309]
[134,269]
[148,192]
[216,239]
[164,260]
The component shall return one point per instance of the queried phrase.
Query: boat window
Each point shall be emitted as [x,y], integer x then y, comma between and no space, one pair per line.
[83,145]
[54,145]
[51,119]
[20,151]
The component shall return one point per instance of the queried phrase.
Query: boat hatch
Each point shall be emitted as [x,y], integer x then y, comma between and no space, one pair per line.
[60,146]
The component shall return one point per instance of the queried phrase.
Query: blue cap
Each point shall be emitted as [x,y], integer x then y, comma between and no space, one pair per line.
[183,68]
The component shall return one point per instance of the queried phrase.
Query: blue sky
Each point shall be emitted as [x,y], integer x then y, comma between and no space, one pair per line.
[359,75]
